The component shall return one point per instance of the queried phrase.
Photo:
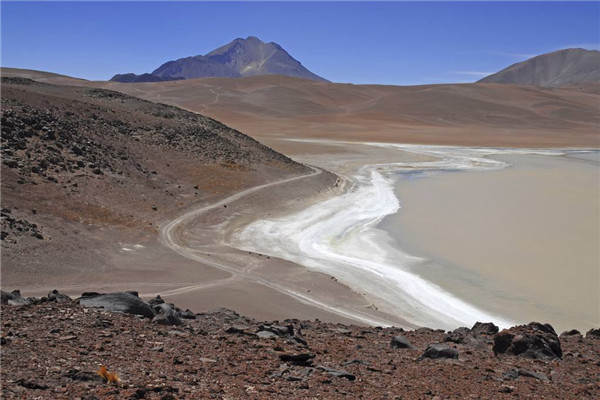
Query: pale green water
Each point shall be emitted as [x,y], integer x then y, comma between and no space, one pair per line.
[522,242]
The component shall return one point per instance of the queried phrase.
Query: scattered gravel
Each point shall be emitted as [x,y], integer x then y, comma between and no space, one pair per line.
[53,350]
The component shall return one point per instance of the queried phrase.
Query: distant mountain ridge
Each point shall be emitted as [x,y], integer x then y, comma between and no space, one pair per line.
[132,78]
[559,68]
[241,57]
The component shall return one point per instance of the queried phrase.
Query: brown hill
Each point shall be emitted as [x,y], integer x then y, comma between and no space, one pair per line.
[467,114]
[453,114]
[43,76]
[559,68]
[84,169]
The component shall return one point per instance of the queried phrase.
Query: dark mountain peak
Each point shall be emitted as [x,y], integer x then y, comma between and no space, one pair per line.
[558,68]
[239,42]
[241,57]
[253,39]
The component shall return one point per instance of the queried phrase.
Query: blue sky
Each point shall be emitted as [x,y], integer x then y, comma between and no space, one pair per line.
[399,43]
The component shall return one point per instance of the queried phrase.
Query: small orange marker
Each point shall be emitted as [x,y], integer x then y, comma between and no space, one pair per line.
[110,377]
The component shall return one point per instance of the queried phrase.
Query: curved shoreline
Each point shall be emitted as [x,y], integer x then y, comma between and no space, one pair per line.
[168,237]
[339,237]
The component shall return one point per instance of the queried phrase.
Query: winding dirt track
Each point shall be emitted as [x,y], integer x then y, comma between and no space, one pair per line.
[168,236]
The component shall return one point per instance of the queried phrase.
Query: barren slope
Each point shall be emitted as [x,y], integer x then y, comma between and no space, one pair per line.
[468,114]
[458,114]
[85,168]
[556,69]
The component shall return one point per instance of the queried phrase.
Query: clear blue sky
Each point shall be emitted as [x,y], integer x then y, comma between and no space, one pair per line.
[360,42]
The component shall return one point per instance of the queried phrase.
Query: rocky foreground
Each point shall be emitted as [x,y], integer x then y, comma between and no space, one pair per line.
[117,346]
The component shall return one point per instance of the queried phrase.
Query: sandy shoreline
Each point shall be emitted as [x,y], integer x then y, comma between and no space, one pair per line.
[104,235]
[144,264]
[503,313]
[255,284]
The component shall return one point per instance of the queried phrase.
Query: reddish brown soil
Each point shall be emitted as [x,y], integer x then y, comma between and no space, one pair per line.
[53,351]
[451,114]
[84,167]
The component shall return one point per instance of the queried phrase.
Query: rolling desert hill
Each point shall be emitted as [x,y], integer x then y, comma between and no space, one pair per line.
[43,76]
[556,69]
[241,57]
[84,169]
[467,114]
[452,114]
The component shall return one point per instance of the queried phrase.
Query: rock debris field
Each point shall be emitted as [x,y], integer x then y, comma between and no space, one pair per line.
[118,346]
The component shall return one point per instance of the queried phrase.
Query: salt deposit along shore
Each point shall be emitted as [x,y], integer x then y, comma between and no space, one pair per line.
[340,237]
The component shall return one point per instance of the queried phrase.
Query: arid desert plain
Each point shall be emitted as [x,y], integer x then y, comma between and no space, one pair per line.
[494,216]
[190,215]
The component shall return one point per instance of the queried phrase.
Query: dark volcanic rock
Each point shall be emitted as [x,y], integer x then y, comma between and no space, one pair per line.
[531,374]
[486,328]
[337,372]
[284,332]
[5,296]
[31,385]
[459,335]
[119,302]
[440,351]
[10,163]
[166,315]
[237,329]
[400,342]
[16,81]
[55,295]
[515,373]
[572,332]
[506,389]
[298,359]
[187,314]
[14,298]
[424,329]
[279,330]
[510,374]
[230,316]
[265,335]
[156,301]
[535,340]
[14,227]
[593,333]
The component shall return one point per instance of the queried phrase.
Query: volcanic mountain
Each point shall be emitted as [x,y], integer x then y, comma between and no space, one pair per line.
[559,68]
[242,57]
